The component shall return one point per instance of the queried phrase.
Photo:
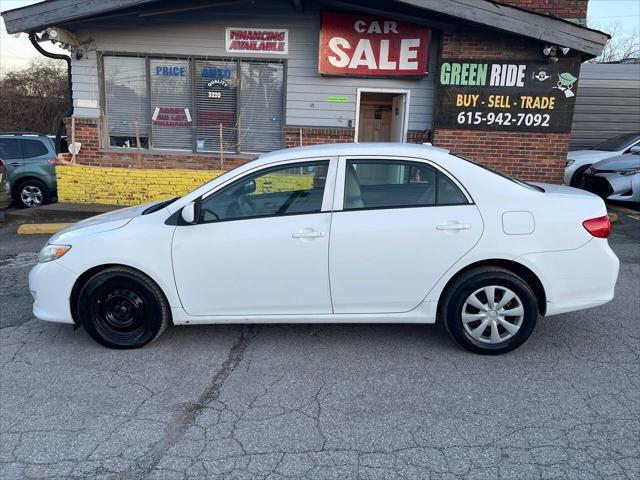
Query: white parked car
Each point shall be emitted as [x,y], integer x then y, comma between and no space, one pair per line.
[390,233]
[578,161]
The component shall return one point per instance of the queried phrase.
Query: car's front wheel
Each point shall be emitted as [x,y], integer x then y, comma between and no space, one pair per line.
[31,193]
[490,310]
[122,308]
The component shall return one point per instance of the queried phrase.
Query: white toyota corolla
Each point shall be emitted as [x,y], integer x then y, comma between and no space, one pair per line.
[390,233]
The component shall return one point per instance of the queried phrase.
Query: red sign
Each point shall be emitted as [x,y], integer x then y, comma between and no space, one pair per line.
[364,45]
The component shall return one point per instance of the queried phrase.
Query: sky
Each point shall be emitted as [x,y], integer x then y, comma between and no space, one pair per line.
[18,52]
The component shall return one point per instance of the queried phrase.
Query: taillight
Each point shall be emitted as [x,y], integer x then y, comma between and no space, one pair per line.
[598,227]
[1,162]
[53,161]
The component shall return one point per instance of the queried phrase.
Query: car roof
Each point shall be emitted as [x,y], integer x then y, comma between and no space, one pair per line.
[345,149]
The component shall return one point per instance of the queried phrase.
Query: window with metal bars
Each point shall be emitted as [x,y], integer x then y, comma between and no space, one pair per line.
[200,105]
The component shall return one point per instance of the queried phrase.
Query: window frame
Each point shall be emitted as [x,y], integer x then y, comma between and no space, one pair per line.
[327,196]
[338,201]
[192,59]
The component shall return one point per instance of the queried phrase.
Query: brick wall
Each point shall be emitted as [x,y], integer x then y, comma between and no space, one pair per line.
[530,156]
[126,186]
[318,136]
[573,9]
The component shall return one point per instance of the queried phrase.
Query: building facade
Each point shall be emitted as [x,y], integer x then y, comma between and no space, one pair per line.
[209,85]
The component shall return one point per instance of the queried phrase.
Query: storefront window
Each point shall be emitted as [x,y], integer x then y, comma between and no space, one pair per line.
[262,90]
[216,105]
[127,101]
[171,104]
[189,100]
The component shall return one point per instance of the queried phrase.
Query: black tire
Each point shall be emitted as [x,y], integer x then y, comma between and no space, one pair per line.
[576,178]
[31,193]
[122,308]
[469,283]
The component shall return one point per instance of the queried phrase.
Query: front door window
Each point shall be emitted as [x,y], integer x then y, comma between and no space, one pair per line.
[284,190]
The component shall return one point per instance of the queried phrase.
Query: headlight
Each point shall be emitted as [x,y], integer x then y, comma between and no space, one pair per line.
[52,252]
[629,171]
[569,163]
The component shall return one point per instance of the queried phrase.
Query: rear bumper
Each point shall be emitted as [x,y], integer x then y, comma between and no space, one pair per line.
[577,279]
[50,285]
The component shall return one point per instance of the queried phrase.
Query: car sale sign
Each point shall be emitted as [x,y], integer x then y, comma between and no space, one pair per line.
[371,46]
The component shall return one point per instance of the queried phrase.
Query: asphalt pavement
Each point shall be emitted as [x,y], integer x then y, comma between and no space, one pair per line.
[320,401]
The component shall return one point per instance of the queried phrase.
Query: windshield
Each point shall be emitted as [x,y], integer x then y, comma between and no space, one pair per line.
[615,144]
[500,174]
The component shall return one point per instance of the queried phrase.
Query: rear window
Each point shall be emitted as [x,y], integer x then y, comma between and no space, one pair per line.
[9,148]
[33,148]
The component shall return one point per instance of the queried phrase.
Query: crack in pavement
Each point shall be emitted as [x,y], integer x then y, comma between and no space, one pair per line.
[187,416]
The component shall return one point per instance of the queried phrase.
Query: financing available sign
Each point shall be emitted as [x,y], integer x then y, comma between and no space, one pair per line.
[257,40]
[516,96]
[372,46]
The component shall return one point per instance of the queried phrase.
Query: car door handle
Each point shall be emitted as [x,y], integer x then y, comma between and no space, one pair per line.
[307,234]
[454,226]
[15,164]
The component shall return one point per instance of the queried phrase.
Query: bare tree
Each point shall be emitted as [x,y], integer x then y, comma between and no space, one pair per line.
[621,45]
[33,99]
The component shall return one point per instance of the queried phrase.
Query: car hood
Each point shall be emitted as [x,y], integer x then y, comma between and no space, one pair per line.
[100,223]
[622,162]
[590,156]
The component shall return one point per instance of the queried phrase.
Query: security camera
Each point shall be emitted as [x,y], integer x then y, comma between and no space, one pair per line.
[549,50]
[53,33]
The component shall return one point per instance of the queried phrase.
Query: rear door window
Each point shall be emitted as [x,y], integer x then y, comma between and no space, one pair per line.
[33,148]
[395,184]
[10,148]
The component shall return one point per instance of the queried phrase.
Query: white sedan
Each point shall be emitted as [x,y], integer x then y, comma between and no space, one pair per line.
[391,233]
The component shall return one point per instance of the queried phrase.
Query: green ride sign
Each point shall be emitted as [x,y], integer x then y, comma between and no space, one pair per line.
[518,96]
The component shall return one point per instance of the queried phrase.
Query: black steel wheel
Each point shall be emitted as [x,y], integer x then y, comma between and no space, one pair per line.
[122,308]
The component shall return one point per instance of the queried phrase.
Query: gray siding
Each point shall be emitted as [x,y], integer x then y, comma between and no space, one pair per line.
[201,33]
[607,103]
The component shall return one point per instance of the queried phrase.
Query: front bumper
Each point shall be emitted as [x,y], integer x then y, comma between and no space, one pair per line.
[613,186]
[50,285]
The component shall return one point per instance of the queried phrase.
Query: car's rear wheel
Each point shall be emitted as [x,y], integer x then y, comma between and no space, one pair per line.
[490,310]
[31,193]
[122,308]
[576,178]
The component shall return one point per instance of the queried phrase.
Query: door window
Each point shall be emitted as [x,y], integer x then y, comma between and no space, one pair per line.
[33,148]
[392,184]
[10,148]
[284,190]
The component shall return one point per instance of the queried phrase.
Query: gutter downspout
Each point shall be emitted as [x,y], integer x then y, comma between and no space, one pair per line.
[69,112]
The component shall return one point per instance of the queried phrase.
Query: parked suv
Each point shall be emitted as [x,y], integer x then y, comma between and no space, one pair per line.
[30,159]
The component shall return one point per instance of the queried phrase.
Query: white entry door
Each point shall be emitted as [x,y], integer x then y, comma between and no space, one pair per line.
[402,226]
[260,246]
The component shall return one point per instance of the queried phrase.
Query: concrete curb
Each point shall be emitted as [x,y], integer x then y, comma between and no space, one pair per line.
[41,228]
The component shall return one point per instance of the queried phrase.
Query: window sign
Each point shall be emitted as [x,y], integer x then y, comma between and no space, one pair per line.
[516,96]
[257,40]
[171,104]
[216,103]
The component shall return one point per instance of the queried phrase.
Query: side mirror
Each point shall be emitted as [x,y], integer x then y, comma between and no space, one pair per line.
[634,149]
[188,213]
